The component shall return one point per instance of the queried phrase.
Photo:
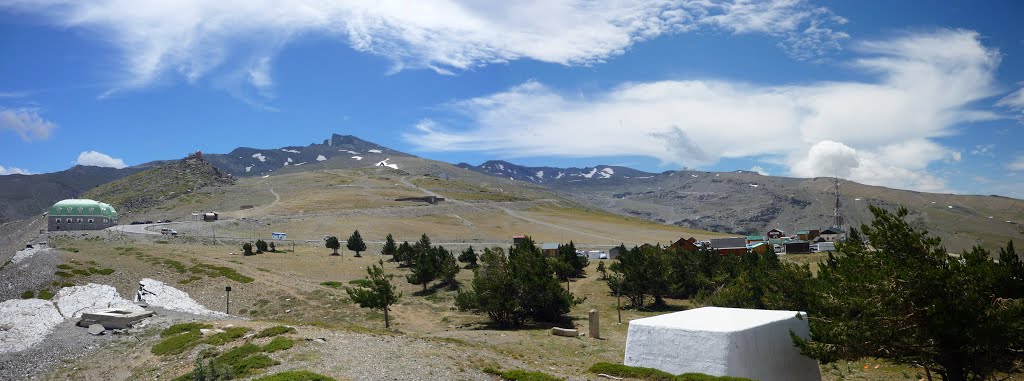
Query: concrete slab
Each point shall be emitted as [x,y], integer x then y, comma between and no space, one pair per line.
[113,318]
[722,342]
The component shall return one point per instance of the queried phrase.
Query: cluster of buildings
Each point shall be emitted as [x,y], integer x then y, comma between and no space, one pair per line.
[803,242]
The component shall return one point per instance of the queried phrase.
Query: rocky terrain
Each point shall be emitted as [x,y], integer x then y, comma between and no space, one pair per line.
[338,152]
[148,188]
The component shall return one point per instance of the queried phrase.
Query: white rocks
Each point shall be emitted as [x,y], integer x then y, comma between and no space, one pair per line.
[73,301]
[30,320]
[722,342]
[162,295]
[22,255]
[96,329]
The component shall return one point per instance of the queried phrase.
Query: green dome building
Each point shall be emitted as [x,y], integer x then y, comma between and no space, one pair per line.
[81,214]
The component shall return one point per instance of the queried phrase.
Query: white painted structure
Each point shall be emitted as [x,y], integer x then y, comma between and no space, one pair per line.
[722,342]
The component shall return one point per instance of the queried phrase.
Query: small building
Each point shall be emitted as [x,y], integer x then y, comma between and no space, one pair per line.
[758,247]
[210,216]
[755,238]
[732,245]
[80,214]
[832,235]
[775,234]
[718,341]
[549,249]
[807,235]
[798,247]
[518,239]
[615,252]
[686,244]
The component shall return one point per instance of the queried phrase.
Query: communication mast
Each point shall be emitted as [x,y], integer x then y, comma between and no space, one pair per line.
[837,222]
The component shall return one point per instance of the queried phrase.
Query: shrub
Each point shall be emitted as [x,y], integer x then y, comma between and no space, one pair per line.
[296,375]
[65,267]
[28,294]
[229,335]
[177,344]
[261,246]
[45,294]
[652,374]
[183,327]
[80,272]
[332,284]
[251,364]
[279,344]
[521,375]
[275,330]
[63,274]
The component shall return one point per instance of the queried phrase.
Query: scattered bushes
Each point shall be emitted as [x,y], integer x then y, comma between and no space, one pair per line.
[45,294]
[332,284]
[521,375]
[177,344]
[275,330]
[279,344]
[229,335]
[183,327]
[619,370]
[28,294]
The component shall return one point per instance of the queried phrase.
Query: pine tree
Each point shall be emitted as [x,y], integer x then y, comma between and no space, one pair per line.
[261,246]
[377,291]
[273,248]
[448,267]
[333,244]
[905,299]
[404,255]
[425,267]
[247,249]
[390,248]
[601,269]
[355,243]
[469,257]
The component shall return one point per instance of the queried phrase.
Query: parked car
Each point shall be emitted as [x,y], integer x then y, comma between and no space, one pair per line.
[170,232]
[148,222]
[165,221]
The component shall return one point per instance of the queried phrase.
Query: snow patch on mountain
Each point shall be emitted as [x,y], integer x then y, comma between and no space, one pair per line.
[540,174]
[290,150]
[259,156]
[588,174]
[560,175]
[357,157]
[320,158]
[373,151]
[249,168]
[384,163]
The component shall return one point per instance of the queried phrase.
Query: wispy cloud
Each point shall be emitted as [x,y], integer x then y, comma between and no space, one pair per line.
[1017,165]
[984,150]
[191,38]
[99,159]
[13,171]
[26,122]
[878,132]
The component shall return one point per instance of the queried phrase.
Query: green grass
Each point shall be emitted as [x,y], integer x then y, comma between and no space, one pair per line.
[332,284]
[220,271]
[45,294]
[177,344]
[63,274]
[275,330]
[296,375]
[182,328]
[229,335]
[80,272]
[279,344]
[29,294]
[652,374]
[190,279]
[521,375]
[251,364]
[65,267]
[93,270]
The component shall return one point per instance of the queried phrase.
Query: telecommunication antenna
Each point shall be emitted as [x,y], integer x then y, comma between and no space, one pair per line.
[837,222]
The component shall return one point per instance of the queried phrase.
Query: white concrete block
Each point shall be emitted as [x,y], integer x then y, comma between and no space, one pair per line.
[722,342]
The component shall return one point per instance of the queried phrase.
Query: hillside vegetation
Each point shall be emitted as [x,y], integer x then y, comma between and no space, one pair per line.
[151,187]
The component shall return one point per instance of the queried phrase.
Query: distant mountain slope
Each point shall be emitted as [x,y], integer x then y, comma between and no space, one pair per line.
[553,175]
[743,202]
[346,151]
[148,188]
[23,196]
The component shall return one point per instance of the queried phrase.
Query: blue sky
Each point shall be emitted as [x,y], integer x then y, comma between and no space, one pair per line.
[913,95]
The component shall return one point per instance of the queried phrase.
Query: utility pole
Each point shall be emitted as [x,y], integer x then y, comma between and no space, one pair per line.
[227,308]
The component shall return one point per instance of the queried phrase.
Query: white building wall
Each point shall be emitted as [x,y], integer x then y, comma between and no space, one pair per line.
[722,342]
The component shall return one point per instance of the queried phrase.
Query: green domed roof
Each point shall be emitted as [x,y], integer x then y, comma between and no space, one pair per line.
[82,207]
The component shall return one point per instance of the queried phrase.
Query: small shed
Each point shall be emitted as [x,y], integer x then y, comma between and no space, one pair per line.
[733,245]
[549,249]
[210,216]
[718,341]
[798,247]
[686,244]
[615,252]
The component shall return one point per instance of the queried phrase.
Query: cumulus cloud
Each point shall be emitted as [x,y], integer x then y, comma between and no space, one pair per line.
[193,37]
[26,123]
[99,159]
[923,84]
[13,171]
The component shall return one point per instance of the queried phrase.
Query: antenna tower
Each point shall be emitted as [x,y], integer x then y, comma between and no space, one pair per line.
[838,218]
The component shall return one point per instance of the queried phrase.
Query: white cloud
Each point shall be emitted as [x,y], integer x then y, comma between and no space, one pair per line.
[925,83]
[98,159]
[13,171]
[984,150]
[1017,165]
[194,37]
[1014,100]
[760,170]
[26,123]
